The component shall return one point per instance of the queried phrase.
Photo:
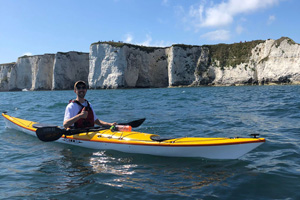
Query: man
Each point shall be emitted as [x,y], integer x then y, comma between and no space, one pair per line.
[79,112]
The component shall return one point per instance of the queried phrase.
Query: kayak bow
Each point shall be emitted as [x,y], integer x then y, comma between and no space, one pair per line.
[144,143]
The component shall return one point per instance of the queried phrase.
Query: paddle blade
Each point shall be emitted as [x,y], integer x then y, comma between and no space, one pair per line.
[49,134]
[135,123]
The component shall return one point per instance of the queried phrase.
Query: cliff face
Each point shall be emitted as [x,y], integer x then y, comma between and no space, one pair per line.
[106,67]
[146,67]
[271,61]
[30,72]
[44,72]
[33,72]
[114,65]
[187,64]
[69,68]
[127,66]
[6,72]
[277,61]
[120,65]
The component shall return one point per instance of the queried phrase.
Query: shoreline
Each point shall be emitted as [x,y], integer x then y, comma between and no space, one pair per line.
[179,86]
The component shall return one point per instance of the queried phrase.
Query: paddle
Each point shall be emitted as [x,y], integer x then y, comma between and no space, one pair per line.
[135,123]
[49,133]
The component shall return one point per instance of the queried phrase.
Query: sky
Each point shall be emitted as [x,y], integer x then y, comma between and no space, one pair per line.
[37,27]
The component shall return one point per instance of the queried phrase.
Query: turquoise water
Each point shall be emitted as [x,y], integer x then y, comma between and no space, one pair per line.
[31,169]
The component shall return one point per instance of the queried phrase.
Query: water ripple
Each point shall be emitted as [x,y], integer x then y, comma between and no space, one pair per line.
[31,169]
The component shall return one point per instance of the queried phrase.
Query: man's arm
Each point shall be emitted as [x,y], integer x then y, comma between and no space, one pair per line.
[74,119]
[102,123]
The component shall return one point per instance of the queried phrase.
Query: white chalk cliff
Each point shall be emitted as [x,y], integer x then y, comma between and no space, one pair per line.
[69,68]
[45,72]
[273,61]
[121,65]
[127,66]
[114,65]
[6,72]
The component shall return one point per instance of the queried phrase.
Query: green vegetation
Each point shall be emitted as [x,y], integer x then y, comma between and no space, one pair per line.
[114,44]
[277,44]
[265,59]
[12,63]
[66,53]
[226,54]
[231,54]
[289,40]
[121,44]
[25,56]
[184,46]
[4,79]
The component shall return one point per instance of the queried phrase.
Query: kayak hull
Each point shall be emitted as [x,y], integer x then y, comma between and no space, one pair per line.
[141,143]
[212,152]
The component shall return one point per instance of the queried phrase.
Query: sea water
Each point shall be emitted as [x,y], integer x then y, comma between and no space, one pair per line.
[31,169]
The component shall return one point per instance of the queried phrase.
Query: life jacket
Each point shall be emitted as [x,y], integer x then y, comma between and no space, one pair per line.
[89,121]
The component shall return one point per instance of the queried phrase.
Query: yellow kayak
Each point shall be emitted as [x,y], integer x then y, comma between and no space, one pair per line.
[144,143]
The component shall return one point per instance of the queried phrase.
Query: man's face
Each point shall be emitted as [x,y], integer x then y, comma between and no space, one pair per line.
[81,90]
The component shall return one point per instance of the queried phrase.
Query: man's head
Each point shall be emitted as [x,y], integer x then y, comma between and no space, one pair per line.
[80,88]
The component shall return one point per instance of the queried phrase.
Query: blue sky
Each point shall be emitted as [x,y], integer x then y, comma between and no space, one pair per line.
[35,27]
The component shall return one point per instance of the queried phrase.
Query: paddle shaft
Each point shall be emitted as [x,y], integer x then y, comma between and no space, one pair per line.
[51,133]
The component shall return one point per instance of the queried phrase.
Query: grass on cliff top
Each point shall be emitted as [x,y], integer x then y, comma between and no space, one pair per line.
[12,63]
[143,48]
[237,53]
[185,46]
[121,44]
[227,54]
[289,40]
[65,53]
[232,54]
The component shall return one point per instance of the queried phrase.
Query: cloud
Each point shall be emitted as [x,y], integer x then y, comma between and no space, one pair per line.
[239,29]
[271,19]
[162,43]
[128,38]
[223,14]
[165,3]
[216,16]
[196,15]
[218,35]
[162,21]
[147,42]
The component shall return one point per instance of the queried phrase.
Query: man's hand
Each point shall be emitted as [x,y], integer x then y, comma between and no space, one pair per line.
[84,113]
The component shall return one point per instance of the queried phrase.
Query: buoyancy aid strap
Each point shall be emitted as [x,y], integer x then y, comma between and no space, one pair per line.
[78,103]
[89,121]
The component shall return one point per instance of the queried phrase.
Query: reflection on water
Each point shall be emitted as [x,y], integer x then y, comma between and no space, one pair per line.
[31,169]
[101,163]
[68,170]
[158,174]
